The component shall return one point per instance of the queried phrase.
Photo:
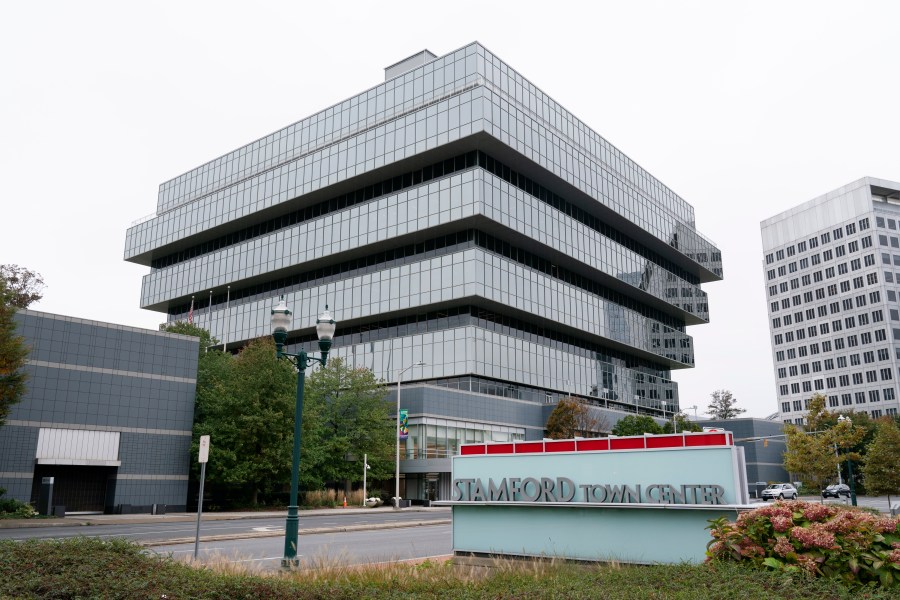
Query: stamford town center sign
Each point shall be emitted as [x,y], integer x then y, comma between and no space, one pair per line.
[642,499]
[563,489]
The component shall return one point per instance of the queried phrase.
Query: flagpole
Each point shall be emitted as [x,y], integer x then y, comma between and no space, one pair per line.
[227,319]
[209,325]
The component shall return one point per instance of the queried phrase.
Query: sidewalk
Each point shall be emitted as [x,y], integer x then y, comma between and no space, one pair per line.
[82,520]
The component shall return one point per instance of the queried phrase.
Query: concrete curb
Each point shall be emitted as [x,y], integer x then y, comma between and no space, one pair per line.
[84,520]
[280,532]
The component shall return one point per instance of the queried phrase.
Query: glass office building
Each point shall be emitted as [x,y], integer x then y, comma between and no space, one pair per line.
[453,214]
[832,275]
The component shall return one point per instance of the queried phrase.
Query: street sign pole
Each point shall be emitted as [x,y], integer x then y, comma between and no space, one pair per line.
[365,468]
[203,458]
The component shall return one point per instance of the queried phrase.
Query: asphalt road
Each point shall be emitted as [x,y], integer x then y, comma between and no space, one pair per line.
[164,531]
[326,549]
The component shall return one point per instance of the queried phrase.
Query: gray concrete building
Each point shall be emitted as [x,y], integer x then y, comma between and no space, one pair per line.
[764,445]
[832,275]
[107,413]
[454,214]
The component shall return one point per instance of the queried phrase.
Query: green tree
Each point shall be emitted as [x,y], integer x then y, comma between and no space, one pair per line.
[684,424]
[880,470]
[852,442]
[562,423]
[810,456]
[636,425]
[350,419]
[573,417]
[185,328]
[819,418]
[723,405]
[214,372]
[22,285]
[246,405]
[13,354]
[864,430]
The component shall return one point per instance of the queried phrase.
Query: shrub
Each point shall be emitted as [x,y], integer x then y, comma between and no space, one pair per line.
[13,509]
[851,545]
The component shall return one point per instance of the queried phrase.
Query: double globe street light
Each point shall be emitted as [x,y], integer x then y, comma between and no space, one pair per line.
[281,324]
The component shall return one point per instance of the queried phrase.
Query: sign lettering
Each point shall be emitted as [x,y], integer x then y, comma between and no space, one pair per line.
[563,489]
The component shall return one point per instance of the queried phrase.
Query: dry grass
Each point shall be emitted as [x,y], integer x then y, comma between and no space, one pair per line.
[435,571]
[332,498]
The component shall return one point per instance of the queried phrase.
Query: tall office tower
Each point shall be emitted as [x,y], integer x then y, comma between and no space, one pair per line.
[457,215]
[832,273]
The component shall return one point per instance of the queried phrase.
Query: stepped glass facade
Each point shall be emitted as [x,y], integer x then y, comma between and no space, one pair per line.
[832,273]
[453,214]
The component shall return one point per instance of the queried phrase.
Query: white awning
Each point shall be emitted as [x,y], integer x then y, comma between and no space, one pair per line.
[78,447]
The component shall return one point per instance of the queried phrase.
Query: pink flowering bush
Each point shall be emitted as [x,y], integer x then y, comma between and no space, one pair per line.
[852,545]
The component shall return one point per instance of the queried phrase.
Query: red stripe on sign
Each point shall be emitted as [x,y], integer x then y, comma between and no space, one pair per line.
[529,447]
[600,444]
[560,446]
[666,441]
[499,448]
[474,449]
[710,439]
[628,443]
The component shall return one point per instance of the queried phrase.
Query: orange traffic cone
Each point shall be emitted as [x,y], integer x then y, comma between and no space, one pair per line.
[345,501]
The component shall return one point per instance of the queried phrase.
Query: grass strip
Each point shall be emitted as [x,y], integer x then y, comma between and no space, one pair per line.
[84,567]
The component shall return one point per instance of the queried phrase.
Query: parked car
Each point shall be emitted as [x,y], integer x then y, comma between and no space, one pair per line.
[836,491]
[780,491]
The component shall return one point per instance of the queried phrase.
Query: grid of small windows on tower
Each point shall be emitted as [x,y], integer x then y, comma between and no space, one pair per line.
[835,326]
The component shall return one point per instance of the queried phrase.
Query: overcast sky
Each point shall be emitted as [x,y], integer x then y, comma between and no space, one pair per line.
[742,108]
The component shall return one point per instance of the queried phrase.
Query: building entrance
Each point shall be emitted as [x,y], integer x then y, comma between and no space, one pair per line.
[77,487]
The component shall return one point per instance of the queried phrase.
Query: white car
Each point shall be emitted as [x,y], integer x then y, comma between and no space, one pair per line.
[779,491]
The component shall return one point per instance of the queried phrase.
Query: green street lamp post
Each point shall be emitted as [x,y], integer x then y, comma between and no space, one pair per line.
[419,363]
[851,480]
[281,324]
